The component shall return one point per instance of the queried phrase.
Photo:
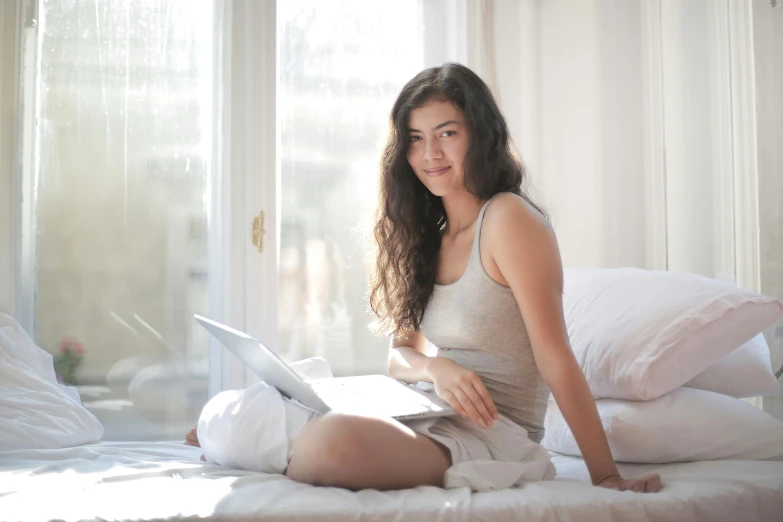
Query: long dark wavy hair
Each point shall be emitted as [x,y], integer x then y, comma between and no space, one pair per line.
[409,219]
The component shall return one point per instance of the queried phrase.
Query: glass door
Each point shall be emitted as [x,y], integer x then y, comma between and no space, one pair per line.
[118,179]
[341,66]
[213,157]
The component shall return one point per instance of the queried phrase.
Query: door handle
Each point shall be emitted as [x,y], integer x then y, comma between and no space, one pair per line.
[259,231]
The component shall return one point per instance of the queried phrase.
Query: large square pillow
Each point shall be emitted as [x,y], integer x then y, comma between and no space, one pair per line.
[685,425]
[37,412]
[638,334]
[744,372]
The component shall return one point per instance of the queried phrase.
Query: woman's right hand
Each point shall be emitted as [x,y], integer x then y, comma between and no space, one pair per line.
[463,390]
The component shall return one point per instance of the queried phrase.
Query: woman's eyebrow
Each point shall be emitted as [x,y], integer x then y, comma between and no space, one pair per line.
[439,126]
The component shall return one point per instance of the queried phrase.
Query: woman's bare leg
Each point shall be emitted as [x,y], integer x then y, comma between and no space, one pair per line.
[366,453]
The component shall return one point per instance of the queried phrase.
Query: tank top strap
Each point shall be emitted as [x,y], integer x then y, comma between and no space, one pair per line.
[474,253]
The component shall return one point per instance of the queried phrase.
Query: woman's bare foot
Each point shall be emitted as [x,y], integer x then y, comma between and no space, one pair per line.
[191,438]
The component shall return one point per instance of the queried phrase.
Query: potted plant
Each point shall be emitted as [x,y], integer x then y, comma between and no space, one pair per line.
[67,360]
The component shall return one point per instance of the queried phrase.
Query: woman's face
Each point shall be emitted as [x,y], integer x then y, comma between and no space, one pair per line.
[439,141]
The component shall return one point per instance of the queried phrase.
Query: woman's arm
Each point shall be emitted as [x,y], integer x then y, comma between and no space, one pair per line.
[407,357]
[458,386]
[524,249]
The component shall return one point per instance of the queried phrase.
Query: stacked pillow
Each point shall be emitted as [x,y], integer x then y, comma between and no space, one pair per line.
[668,356]
[37,412]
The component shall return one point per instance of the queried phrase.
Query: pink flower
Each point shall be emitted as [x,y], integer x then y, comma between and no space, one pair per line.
[71,343]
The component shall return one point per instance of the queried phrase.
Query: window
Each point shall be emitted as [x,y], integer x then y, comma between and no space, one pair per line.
[117,151]
[128,108]
[341,67]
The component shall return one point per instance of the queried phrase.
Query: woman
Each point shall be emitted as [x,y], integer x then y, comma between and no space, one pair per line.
[467,261]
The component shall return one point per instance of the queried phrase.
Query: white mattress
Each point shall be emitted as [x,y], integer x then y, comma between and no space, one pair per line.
[157,481]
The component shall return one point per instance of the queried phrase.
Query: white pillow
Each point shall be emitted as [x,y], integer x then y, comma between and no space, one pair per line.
[684,425]
[638,334]
[37,412]
[744,372]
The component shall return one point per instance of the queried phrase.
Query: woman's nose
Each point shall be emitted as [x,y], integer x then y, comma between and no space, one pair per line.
[432,150]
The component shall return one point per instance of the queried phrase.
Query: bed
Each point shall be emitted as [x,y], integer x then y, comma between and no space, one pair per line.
[166,481]
[726,456]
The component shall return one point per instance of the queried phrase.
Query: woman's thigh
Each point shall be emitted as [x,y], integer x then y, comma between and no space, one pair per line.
[356,452]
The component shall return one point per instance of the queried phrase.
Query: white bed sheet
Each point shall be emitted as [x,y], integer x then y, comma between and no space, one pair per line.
[166,481]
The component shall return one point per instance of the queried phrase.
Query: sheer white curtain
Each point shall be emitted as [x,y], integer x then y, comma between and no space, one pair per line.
[768,66]
[571,83]
[649,128]
[622,112]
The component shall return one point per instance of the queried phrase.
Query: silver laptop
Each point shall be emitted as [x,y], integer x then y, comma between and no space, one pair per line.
[371,395]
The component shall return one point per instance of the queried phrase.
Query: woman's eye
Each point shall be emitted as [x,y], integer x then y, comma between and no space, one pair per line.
[415,138]
[448,134]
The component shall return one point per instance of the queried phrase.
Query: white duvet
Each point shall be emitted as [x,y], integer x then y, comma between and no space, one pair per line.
[166,481]
[37,412]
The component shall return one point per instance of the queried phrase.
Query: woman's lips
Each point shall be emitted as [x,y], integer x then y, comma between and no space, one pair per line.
[436,172]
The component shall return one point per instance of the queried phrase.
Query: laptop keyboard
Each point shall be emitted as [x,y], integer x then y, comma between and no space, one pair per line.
[372,395]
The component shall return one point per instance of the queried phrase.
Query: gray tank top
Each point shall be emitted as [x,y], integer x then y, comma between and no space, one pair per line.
[476,322]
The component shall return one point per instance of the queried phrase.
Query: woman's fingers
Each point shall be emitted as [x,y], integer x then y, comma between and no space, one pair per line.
[469,407]
[453,402]
[465,392]
[486,398]
[653,483]
[478,402]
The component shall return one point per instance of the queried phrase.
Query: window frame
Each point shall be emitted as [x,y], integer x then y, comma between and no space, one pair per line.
[10,22]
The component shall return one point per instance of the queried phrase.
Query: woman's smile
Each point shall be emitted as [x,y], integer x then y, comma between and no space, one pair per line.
[437,171]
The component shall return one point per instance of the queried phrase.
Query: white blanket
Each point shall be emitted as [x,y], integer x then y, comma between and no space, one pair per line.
[254,429]
[37,412]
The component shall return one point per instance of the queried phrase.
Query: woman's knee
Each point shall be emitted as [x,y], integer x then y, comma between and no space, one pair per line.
[332,442]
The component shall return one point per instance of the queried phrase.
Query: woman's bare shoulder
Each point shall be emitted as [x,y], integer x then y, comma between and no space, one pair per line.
[509,215]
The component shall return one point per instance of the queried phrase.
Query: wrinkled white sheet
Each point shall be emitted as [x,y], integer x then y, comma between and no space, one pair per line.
[255,429]
[166,481]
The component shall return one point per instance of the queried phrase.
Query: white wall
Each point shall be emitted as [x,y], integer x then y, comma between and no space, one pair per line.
[8,39]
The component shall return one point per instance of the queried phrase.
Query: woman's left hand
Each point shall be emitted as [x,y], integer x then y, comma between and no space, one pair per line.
[646,484]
